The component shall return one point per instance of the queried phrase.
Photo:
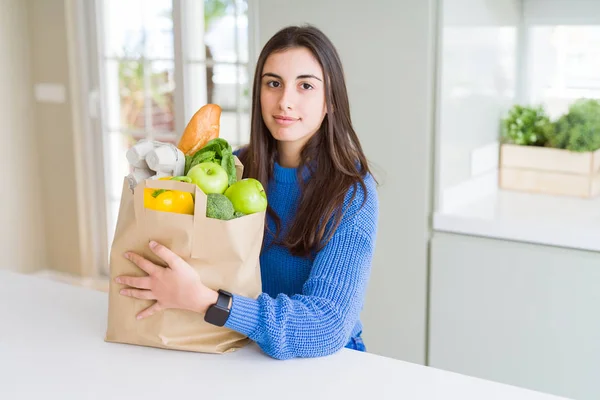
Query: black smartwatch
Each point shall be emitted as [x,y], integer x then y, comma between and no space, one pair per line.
[218,313]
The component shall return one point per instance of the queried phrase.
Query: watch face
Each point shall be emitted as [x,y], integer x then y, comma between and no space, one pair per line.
[216,316]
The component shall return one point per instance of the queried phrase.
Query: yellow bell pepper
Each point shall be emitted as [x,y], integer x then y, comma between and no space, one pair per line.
[169,200]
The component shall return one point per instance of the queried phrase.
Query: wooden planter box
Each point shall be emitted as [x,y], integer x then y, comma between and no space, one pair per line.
[549,171]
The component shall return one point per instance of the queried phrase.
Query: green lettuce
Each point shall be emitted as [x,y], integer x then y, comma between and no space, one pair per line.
[218,151]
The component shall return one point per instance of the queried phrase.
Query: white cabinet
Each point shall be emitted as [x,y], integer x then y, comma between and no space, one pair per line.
[517,313]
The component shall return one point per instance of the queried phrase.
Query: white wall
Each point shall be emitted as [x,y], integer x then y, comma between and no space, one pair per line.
[55,137]
[21,224]
[40,225]
[387,51]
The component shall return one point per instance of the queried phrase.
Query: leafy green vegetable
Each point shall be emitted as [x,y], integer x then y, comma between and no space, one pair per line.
[228,163]
[218,151]
[219,206]
[208,155]
[238,214]
[188,163]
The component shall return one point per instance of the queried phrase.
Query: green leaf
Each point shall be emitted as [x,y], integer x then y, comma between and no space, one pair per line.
[188,164]
[228,163]
[203,155]
[208,155]
[219,151]
[219,145]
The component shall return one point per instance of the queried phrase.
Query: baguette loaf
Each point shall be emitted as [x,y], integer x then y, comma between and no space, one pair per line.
[203,127]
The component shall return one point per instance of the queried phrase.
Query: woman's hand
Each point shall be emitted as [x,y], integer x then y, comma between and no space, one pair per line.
[177,286]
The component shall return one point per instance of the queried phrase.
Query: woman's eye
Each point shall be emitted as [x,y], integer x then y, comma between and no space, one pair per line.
[307,86]
[273,84]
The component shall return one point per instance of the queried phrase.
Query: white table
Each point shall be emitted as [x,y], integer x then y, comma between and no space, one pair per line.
[52,347]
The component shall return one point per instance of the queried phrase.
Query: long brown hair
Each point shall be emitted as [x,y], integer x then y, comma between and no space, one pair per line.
[333,155]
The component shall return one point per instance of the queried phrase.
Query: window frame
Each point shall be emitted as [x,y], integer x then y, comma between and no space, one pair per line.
[97,135]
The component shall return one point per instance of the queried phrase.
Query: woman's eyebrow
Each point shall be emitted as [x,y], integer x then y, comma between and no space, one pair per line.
[298,77]
[308,76]
[272,75]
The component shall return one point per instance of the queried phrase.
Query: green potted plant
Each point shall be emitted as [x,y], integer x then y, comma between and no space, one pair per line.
[526,126]
[559,157]
[579,129]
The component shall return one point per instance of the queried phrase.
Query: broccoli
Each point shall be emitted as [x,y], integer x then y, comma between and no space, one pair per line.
[218,206]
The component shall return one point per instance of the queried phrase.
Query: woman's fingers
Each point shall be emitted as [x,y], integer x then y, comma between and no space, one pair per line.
[138,294]
[154,308]
[166,254]
[136,282]
[145,265]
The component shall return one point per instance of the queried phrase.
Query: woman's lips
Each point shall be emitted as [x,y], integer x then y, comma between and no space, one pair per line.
[285,121]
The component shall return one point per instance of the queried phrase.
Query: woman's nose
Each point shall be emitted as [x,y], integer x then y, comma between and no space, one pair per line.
[286,102]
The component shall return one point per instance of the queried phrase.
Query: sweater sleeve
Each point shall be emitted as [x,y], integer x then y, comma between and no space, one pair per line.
[318,321]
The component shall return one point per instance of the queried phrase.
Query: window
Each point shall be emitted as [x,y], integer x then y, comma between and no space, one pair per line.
[564,65]
[160,61]
[554,54]
[215,57]
[562,52]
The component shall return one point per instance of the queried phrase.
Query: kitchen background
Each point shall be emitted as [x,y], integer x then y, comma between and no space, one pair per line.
[468,276]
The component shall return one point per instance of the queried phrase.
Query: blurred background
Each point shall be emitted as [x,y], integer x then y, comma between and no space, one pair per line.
[474,272]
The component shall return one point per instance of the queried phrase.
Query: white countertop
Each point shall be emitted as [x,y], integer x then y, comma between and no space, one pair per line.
[534,218]
[52,347]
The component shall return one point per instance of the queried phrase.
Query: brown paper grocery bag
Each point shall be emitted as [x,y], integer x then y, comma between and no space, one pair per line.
[224,253]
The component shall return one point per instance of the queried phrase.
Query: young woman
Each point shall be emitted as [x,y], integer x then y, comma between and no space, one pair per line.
[322,216]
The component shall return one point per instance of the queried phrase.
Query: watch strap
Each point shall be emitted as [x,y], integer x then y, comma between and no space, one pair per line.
[223,299]
[218,313]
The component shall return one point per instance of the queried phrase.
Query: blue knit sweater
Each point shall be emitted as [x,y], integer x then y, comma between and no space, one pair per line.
[310,308]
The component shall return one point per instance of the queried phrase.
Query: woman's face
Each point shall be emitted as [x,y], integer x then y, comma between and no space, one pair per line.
[292,95]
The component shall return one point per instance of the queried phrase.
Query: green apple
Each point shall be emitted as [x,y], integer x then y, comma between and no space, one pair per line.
[210,177]
[247,196]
